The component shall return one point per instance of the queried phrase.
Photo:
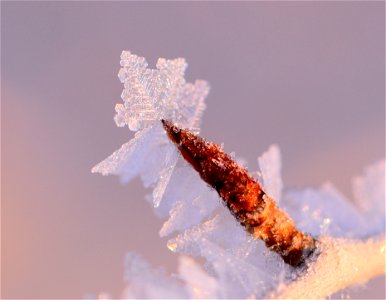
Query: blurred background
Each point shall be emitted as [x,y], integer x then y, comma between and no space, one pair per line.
[308,76]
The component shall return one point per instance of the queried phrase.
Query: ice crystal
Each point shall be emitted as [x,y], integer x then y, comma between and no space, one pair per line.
[270,166]
[138,271]
[236,264]
[152,94]
[148,96]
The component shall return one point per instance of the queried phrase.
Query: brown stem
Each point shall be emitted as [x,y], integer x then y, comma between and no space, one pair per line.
[244,196]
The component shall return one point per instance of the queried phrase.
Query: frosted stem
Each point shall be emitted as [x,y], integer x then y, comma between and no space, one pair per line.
[340,264]
[244,196]
[238,266]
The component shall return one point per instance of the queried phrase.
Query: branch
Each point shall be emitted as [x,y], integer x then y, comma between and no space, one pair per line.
[244,196]
[341,263]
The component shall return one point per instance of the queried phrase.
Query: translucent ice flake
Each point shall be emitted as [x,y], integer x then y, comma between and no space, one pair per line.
[147,154]
[198,283]
[153,94]
[270,166]
[325,211]
[187,200]
[145,282]
[242,265]
[369,195]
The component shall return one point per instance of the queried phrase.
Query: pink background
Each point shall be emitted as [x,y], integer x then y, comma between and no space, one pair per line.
[307,76]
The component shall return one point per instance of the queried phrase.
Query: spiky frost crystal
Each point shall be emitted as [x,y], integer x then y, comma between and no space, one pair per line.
[148,96]
[152,94]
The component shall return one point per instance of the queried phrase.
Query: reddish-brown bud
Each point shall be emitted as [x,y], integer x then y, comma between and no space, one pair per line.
[243,195]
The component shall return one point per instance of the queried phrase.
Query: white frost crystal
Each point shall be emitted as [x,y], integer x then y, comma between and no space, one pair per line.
[153,94]
[149,96]
[270,166]
[351,240]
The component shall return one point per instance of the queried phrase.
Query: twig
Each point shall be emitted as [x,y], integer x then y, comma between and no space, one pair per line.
[244,196]
[341,263]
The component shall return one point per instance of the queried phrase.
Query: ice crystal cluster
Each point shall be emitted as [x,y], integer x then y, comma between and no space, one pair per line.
[351,238]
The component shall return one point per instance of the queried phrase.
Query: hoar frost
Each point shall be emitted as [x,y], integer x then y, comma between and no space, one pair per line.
[350,233]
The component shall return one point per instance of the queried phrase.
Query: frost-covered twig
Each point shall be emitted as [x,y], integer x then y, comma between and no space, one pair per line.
[341,263]
[244,196]
[351,239]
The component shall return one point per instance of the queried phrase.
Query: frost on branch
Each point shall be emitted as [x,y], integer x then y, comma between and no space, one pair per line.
[350,234]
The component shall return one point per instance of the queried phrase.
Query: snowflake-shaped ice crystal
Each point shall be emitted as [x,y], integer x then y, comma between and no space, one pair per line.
[162,93]
[148,96]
